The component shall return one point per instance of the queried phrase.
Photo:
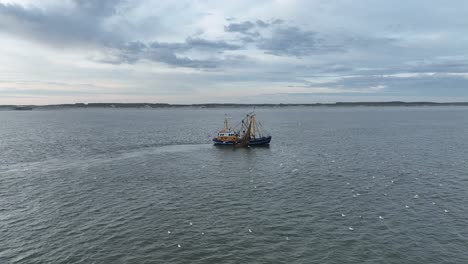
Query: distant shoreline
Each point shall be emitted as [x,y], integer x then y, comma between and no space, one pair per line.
[226,105]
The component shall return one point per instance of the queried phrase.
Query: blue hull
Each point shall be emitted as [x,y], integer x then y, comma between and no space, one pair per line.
[252,142]
[260,141]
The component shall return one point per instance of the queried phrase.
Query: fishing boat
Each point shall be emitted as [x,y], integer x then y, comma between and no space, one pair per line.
[249,132]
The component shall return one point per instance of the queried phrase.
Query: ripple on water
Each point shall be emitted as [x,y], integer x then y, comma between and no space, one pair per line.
[107,189]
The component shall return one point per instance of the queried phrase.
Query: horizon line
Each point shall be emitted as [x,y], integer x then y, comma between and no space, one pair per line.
[117,104]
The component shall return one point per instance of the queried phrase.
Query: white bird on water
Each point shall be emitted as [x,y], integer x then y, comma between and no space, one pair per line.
[191,223]
[178,245]
[446,211]
[380,217]
[416,196]
[168,231]
[287,238]
[406,206]
[250,231]
[343,215]
[350,228]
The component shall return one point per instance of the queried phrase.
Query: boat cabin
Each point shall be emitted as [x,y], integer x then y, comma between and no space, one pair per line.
[226,134]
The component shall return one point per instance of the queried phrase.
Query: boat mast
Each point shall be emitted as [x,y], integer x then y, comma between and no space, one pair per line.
[226,126]
[244,142]
[253,121]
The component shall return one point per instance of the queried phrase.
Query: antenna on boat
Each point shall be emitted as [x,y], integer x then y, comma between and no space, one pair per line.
[226,124]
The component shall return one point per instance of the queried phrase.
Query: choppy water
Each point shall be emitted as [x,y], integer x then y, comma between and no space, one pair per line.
[337,185]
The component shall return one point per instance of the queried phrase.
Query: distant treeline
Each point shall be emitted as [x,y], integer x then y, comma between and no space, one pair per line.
[164,105]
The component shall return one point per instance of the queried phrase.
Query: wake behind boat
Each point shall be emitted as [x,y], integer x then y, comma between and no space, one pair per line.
[249,132]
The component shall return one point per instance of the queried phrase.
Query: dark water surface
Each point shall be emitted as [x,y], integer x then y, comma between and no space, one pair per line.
[337,185]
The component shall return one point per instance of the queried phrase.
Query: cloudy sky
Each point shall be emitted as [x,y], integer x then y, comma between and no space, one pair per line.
[195,51]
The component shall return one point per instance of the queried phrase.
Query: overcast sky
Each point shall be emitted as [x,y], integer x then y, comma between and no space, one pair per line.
[189,51]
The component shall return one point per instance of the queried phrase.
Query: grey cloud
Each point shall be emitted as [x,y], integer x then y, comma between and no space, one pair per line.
[168,57]
[239,27]
[277,22]
[207,44]
[446,66]
[292,41]
[85,25]
[246,26]
[248,39]
[133,52]
[285,40]
[55,27]
[261,23]
[434,84]
[175,47]
[99,7]
[437,84]
[160,55]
